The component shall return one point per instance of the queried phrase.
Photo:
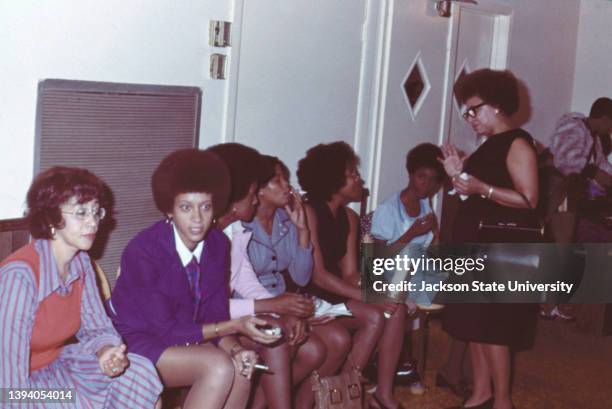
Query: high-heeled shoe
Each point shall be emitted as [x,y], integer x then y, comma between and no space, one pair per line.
[459,389]
[488,404]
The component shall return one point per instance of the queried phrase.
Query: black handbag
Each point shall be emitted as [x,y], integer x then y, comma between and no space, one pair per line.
[509,225]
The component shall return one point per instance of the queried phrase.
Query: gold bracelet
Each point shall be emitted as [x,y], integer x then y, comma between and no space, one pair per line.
[490,193]
[216,330]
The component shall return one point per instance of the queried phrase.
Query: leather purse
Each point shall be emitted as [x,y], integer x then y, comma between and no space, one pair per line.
[511,226]
[343,391]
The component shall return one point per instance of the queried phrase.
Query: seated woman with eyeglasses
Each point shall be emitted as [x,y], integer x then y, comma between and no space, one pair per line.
[171,301]
[329,175]
[48,296]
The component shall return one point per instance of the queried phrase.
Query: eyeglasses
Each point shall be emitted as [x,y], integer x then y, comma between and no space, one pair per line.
[82,213]
[472,111]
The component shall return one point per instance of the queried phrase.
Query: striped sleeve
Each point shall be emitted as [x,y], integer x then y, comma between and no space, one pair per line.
[18,295]
[96,328]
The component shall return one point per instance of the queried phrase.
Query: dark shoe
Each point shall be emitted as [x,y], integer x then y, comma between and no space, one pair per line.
[459,389]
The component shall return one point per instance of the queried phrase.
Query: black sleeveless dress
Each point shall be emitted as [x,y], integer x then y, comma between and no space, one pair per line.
[500,324]
[332,235]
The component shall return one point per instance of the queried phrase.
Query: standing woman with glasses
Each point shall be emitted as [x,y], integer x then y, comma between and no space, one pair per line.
[48,295]
[170,302]
[501,180]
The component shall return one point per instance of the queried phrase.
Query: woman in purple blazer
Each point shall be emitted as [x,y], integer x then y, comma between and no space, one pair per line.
[170,302]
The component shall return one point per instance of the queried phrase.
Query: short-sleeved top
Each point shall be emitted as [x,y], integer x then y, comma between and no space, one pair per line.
[390,220]
[271,254]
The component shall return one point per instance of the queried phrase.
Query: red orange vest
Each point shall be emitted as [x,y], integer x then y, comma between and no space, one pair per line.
[57,319]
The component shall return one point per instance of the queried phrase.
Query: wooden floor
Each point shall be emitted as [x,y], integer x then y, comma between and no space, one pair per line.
[564,370]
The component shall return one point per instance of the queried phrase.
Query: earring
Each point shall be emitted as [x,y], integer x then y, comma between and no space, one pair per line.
[168,219]
[496,111]
[52,231]
[234,210]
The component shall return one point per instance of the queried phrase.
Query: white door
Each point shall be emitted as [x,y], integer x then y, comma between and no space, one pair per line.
[296,79]
[427,53]
[413,101]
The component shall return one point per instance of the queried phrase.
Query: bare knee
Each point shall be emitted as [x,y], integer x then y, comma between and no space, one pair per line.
[314,351]
[337,340]
[221,368]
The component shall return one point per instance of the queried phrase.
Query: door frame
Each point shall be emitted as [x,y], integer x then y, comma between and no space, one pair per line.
[499,59]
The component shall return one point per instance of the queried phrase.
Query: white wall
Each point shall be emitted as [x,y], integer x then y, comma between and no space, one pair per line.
[593,77]
[137,41]
[161,42]
[543,55]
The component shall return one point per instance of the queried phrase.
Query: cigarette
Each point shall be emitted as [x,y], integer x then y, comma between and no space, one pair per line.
[262,367]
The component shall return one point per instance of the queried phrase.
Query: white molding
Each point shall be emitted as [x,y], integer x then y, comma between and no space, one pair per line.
[229,122]
[379,107]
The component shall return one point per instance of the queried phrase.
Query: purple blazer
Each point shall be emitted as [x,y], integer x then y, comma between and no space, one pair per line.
[152,306]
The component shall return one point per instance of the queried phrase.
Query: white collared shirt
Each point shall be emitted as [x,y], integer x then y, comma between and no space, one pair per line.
[184,253]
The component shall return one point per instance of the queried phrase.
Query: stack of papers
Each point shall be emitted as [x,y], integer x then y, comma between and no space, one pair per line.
[322,308]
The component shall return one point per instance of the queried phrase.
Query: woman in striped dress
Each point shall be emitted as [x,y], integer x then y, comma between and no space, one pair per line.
[48,296]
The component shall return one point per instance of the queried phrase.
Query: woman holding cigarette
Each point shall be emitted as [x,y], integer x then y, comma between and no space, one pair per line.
[281,255]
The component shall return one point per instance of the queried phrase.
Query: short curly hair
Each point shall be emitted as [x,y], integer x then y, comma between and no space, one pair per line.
[190,171]
[425,155]
[245,168]
[322,172]
[496,88]
[54,187]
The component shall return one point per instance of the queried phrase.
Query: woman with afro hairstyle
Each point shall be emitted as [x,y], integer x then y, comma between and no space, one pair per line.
[281,255]
[500,178]
[170,302]
[330,177]
[48,296]
[249,171]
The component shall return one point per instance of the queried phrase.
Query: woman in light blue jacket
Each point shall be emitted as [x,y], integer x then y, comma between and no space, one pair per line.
[281,254]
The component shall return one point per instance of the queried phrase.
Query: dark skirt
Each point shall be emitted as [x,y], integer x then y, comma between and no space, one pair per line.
[498,324]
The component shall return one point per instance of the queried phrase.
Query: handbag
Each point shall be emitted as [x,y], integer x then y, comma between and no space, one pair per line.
[511,225]
[343,391]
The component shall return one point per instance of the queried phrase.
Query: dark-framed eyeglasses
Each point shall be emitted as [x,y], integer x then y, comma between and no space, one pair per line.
[472,111]
[82,213]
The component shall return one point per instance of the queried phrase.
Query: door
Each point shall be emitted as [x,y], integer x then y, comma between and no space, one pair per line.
[412,102]
[426,54]
[297,76]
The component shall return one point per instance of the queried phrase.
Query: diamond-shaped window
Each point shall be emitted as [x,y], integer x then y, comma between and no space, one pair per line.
[416,86]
